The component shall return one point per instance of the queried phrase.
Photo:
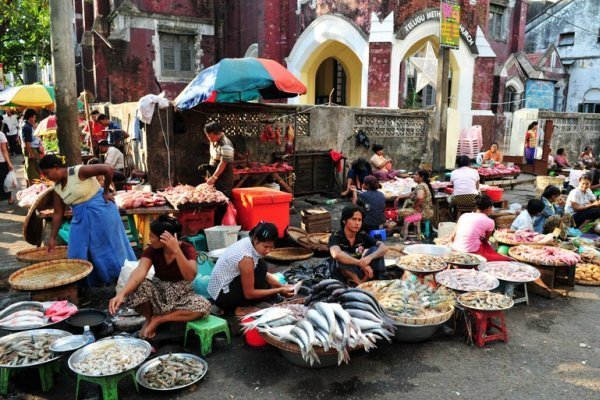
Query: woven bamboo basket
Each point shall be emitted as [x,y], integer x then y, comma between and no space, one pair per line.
[312,242]
[40,254]
[503,221]
[296,233]
[542,181]
[50,274]
[416,321]
[294,348]
[289,254]
[512,253]
[503,240]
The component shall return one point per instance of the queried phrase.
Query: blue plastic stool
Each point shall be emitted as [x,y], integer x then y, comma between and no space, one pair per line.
[378,232]
[427,229]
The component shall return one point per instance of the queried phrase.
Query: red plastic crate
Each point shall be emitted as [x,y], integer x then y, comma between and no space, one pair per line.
[193,221]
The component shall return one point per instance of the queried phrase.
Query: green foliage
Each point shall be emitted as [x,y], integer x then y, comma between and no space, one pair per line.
[24,30]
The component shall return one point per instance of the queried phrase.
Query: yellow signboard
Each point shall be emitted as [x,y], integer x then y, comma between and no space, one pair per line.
[450,24]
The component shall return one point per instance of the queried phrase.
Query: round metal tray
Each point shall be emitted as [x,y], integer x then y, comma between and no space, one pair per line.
[151,363]
[490,268]
[69,343]
[38,332]
[428,249]
[512,303]
[120,343]
[441,277]
[49,324]
[477,256]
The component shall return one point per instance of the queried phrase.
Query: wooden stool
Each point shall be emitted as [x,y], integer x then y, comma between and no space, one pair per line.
[109,384]
[484,325]
[206,328]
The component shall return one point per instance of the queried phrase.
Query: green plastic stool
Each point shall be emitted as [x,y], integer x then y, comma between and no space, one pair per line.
[109,384]
[205,329]
[503,249]
[46,376]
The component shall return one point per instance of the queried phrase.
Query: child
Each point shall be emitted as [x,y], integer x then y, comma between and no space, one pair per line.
[525,219]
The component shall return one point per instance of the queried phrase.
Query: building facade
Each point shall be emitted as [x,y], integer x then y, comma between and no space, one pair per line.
[573,28]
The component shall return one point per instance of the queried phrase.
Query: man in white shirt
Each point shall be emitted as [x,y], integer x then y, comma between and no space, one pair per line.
[112,155]
[11,120]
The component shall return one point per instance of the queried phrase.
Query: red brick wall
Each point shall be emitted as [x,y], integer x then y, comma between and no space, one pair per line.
[483,83]
[192,8]
[379,74]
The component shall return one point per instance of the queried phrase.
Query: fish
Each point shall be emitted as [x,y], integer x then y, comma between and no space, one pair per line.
[324,283]
[22,305]
[264,316]
[365,315]
[329,315]
[317,320]
[31,313]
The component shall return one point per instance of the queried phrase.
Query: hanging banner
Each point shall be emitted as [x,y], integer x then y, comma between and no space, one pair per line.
[450,24]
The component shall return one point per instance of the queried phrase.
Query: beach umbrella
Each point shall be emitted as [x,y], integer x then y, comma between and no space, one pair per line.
[34,95]
[240,79]
[47,126]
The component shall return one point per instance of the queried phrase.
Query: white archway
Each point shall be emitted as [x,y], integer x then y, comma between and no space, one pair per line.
[323,29]
[516,84]
[400,48]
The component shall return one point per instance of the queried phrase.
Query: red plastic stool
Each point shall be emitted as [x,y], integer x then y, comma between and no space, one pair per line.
[486,329]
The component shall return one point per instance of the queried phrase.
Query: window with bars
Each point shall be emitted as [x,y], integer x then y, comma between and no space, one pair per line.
[496,22]
[512,99]
[177,55]
[566,39]
[593,108]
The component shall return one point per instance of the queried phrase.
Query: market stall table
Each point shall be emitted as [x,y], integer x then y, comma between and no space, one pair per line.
[258,176]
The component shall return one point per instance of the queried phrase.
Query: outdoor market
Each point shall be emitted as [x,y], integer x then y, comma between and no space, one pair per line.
[195,264]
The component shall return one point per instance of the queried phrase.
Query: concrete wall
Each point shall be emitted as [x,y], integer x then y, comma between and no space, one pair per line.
[573,132]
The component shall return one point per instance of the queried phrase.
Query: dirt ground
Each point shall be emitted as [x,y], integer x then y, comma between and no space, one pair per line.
[553,352]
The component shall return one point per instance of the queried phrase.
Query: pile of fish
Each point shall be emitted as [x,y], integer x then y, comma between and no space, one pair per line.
[139,199]
[354,320]
[110,360]
[23,315]
[308,275]
[466,280]
[544,255]
[27,350]
[510,271]
[173,371]
[421,263]
[462,259]
[405,298]
[183,194]
[485,301]
[521,236]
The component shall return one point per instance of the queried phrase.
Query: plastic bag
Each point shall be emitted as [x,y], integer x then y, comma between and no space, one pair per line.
[126,271]
[10,182]
[229,219]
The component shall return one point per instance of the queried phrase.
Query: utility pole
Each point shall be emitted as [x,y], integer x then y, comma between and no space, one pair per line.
[63,73]
[441,98]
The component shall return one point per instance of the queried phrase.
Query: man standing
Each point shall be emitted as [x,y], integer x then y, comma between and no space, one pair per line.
[220,166]
[11,120]
[31,146]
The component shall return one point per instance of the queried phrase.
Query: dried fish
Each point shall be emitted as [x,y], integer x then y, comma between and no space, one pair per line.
[173,371]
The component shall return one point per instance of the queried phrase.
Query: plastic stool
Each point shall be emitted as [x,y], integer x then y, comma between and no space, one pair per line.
[378,232]
[503,249]
[199,242]
[46,376]
[130,229]
[205,329]
[484,324]
[109,384]
[427,228]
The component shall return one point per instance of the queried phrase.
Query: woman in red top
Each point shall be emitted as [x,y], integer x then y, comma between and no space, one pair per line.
[169,296]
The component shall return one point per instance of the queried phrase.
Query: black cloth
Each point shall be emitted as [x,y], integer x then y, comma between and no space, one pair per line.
[13,144]
[3,172]
[362,242]
[5,129]
[590,214]
[235,297]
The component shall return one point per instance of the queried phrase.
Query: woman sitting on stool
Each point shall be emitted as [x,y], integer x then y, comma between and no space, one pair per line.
[240,277]
[357,256]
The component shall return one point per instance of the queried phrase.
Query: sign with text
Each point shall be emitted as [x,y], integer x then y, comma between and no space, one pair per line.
[539,94]
[450,24]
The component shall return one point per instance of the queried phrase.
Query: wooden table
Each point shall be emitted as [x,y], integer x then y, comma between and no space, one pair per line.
[259,176]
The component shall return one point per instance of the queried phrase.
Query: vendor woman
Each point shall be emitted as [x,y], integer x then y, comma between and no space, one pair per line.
[169,296]
[240,277]
[474,229]
[96,231]
[357,256]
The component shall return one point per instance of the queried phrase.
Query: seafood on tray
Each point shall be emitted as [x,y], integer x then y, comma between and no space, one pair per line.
[510,271]
[173,371]
[544,255]
[421,263]
[485,301]
[522,236]
[110,359]
[34,314]
[463,259]
[28,349]
[139,199]
[588,273]
[467,280]
[410,299]
[353,319]
[203,193]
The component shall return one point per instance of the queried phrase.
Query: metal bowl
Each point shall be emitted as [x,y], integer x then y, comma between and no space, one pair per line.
[88,317]
[38,332]
[151,363]
[415,333]
[121,344]
[69,343]
[327,360]
[428,249]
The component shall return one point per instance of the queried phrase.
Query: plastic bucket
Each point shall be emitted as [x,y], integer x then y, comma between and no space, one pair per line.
[495,193]
[253,338]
